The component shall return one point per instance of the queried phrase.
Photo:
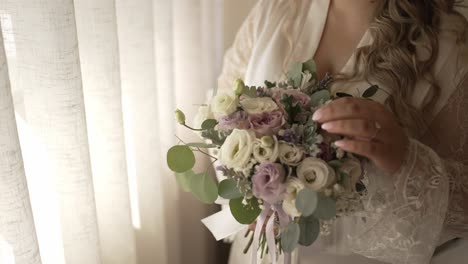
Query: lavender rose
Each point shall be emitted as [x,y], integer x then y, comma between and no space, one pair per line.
[268,182]
[236,120]
[266,124]
[298,97]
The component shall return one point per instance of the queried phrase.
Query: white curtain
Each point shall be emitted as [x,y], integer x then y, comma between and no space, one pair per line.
[87,94]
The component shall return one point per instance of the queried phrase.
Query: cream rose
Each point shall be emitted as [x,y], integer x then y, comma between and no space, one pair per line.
[224,104]
[261,152]
[236,151]
[316,174]
[258,105]
[290,154]
[293,187]
[352,167]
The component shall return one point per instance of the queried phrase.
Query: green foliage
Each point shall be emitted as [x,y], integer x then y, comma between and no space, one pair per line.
[209,124]
[204,187]
[250,91]
[371,91]
[244,214]
[228,189]
[310,230]
[291,108]
[326,208]
[310,136]
[340,94]
[306,201]
[270,85]
[201,145]
[309,66]
[180,158]
[184,178]
[295,74]
[290,237]
[215,136]
[319,98]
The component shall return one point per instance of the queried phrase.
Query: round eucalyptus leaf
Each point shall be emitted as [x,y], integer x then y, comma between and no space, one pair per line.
[244,214]
[228,189]
[309,66]
[326,208]
[180,158]
[306,201]
[184,178]
[204,188]
[319,97]
[295,74]
[209,124]
[310,230]
[290,237]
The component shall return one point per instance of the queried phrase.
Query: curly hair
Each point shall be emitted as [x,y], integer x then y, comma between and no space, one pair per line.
[400,30]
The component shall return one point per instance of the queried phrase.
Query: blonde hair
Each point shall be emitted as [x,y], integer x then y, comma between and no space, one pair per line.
[399,31]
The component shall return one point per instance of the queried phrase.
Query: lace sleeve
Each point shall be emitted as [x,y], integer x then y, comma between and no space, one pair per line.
[449,138]
[407,212]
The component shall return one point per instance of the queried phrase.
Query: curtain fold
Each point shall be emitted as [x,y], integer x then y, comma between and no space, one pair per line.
[18,242]
[94,86]
[48,67]
[99,56]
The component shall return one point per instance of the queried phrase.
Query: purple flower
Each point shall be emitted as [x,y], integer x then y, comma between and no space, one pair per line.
[266,124]
[268,182]
[235,120]
[326,152]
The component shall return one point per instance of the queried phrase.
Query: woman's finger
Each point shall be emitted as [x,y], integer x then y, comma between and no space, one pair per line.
[351,108]
[363,129]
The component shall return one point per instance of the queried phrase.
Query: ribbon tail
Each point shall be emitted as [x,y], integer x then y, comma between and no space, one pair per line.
[258,230]
[284,222]
[270,236]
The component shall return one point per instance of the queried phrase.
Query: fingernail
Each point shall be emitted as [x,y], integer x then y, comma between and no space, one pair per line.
[327,126]
[317,115]
[339,143]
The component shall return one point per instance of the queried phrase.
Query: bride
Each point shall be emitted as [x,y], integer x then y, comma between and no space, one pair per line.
[415,136]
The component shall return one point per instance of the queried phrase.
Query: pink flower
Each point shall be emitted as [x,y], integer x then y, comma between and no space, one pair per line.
[235,120]
[266,124]
[298,97]
[268,182]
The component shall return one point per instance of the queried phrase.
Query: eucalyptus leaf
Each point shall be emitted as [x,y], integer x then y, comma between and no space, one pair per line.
[209,124]
[306,201]
[244,214]
[309,66]
[250,91]
[204,188]
[290,237]
[201,145]
[228,189]
[335,163]
[295,74]
[310,230]
[340,94]
[180,158]
[319,97]
[326,208]
[184,178]
[371,91]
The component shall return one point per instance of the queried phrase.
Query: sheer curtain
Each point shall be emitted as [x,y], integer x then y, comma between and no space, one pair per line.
[87,93]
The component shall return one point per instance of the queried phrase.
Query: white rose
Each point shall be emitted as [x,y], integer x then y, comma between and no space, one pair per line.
[290,154]
[204,113]
[352,167]
[316,173]
[224,104]
[293,187]
[258,105]
[265,153]
[237,149]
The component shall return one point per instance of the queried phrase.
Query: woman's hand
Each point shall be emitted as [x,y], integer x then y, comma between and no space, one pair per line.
[369,128]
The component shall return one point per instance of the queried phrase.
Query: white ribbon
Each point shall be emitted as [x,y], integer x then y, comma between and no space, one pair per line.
[269,232]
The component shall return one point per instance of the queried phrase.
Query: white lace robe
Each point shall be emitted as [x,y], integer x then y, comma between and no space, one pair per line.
[409,213]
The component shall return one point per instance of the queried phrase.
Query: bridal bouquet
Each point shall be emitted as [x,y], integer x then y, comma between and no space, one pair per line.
[281,169]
